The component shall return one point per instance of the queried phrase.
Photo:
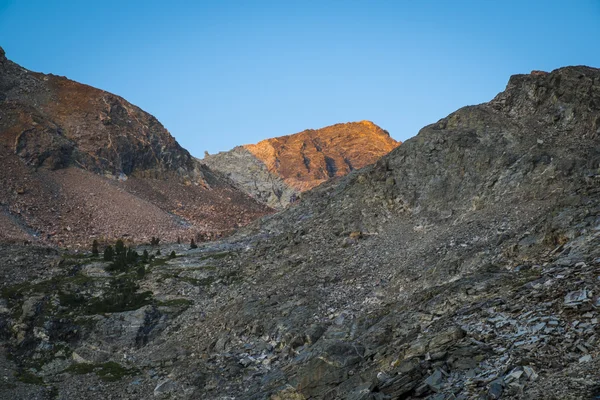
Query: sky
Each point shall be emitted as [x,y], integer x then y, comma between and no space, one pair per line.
[219,74]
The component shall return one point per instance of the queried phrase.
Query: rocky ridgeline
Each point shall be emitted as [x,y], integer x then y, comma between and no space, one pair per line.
[277,170]
[252,175]
[81,163]
[54,122]
[463,265]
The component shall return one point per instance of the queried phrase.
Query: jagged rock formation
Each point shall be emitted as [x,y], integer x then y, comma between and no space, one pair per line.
[463,265]
[275,171]
[79,162]
[252,175]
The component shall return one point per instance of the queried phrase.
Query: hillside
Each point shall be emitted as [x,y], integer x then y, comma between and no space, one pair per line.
[81,163]
[277,170]
[462,265]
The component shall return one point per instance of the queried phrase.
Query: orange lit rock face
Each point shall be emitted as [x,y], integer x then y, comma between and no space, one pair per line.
[275,171]
[309,158]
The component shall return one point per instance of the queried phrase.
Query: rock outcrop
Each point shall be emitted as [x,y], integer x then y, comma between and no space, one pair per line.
[54,122]
[58,136]
[462,265]
[275,171]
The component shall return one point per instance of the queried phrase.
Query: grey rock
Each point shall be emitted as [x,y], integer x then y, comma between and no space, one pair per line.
[252,176]
[575,298]
[434,381]
[586,358]
[496,389]
[165,387]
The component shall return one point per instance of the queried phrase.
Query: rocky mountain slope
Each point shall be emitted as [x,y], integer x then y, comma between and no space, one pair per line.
[71,152]
[463,265]
[275,171]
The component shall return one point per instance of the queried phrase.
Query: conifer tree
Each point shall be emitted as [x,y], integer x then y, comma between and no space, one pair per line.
[119,247]
[95,251]
[109,253]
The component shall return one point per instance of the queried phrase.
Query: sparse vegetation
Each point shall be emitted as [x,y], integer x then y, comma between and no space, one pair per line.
[123,260]
[217,256]
[157,262]
[119,247]
[109,253]
[140,271]
[122,296]
[29,378]
[95,251]
[109,371]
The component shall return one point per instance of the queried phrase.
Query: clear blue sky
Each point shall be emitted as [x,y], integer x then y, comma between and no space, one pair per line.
[223,73]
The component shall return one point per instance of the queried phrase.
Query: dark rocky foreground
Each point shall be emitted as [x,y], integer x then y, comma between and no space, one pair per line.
[463,265]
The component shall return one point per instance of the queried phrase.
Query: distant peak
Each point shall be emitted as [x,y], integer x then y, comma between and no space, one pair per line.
[367,123]
[364,124]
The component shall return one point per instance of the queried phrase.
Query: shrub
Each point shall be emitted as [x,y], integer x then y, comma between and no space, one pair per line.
[131,256]
[95,251]
[172,255]
[193,244]
[119,264]
[109,253]
[119,247]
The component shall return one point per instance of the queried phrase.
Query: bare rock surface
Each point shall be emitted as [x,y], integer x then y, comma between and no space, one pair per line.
[277,170]
[463,265]
[79,163]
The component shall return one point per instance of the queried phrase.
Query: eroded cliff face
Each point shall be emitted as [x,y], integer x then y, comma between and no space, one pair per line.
[51,121]
[464,264]
[277,170]
[79,162]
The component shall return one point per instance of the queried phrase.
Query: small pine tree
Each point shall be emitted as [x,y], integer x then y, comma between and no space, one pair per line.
[119,247]
[172,255]
[95,251]
[131,256]
[145,256]
[158,252]
[178,240]
[119,264]
[193,244]
[109,253]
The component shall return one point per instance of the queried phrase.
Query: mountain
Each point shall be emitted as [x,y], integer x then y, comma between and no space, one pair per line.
[275,171]
[82,163]
[462,265]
